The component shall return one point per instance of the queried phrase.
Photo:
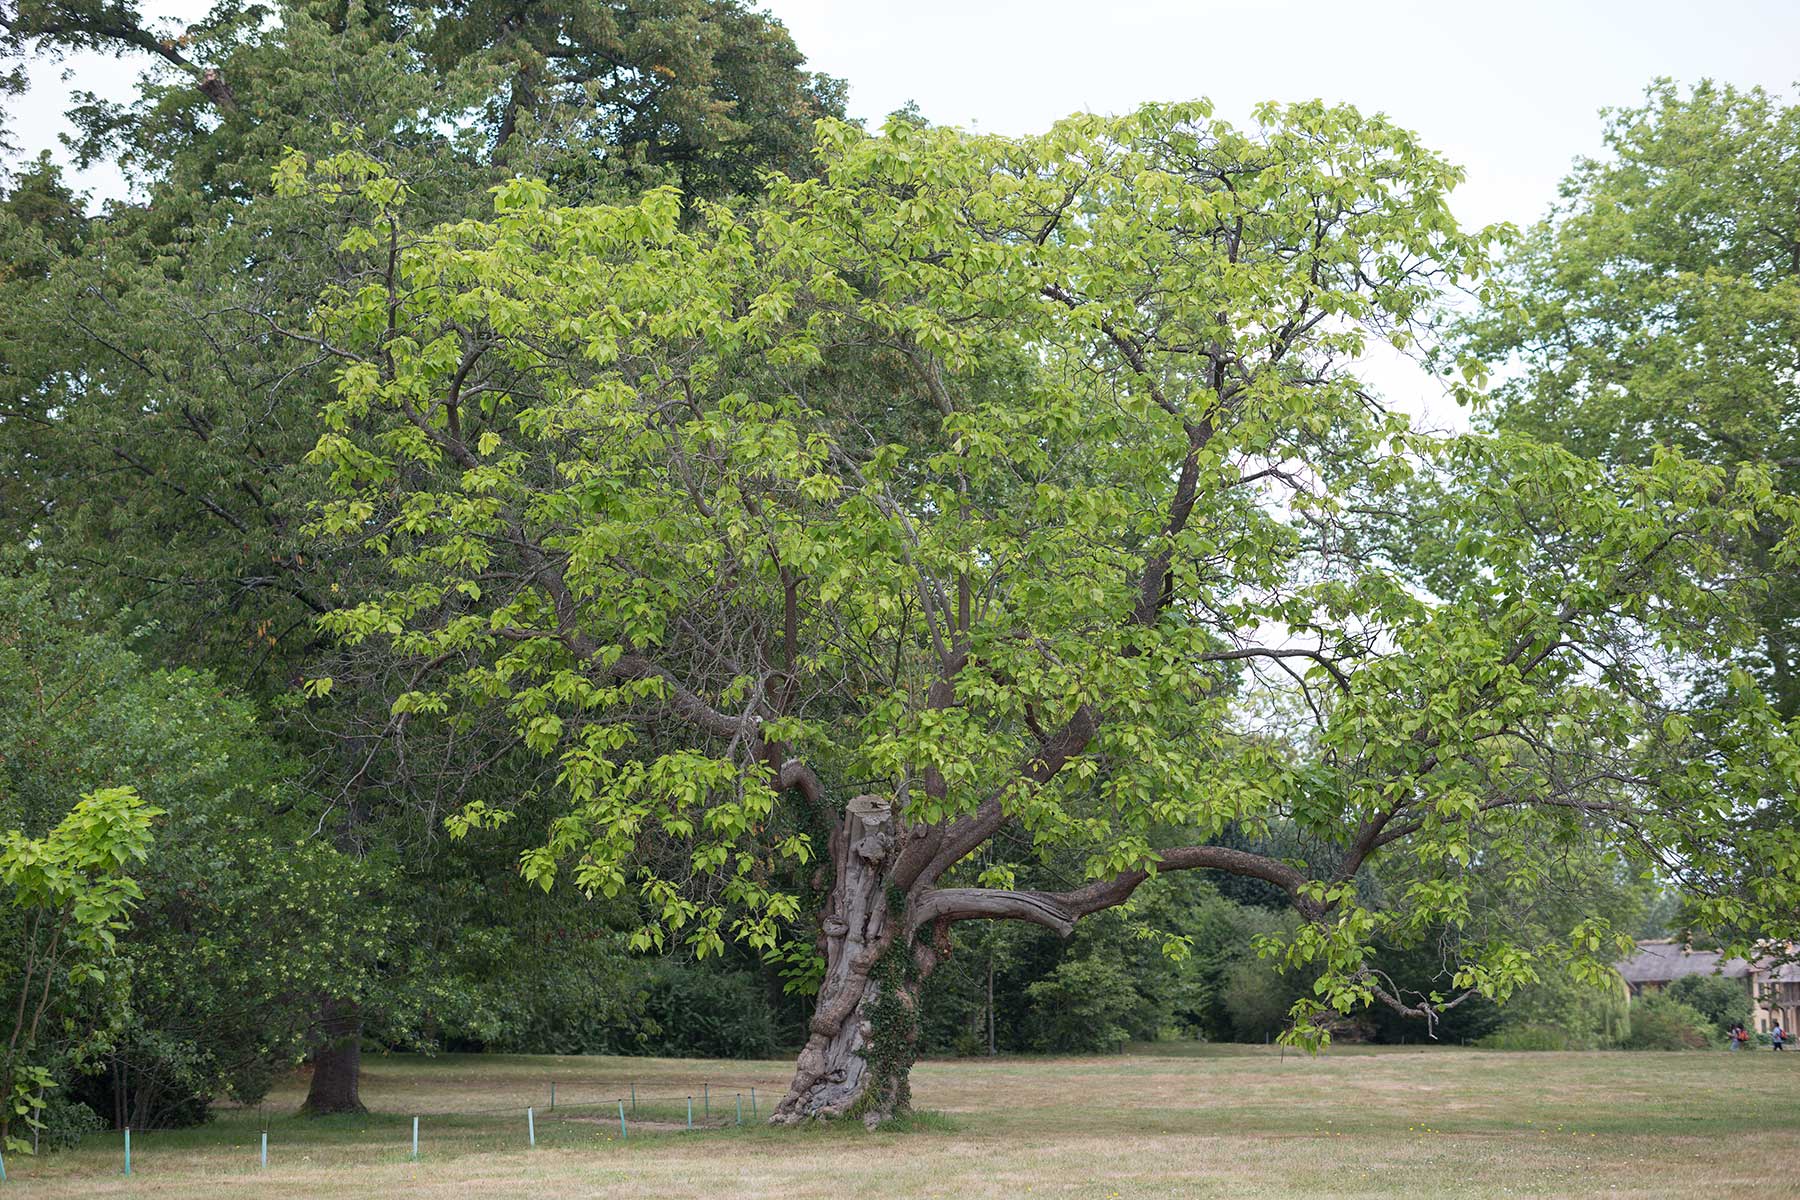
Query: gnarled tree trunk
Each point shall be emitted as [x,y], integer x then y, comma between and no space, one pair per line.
[860,1049]
[336,1062]
[883,902]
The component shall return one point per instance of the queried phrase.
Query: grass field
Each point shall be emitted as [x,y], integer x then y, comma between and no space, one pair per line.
[1167,1121]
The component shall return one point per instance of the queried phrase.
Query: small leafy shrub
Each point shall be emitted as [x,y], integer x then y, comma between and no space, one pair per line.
[1530,1037]
[1659,1022]
[65,1122]
[1724,1002]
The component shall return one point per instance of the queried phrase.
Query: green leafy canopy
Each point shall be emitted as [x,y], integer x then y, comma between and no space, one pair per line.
[1027,481]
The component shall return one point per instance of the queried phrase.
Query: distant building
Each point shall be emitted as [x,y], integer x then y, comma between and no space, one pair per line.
[1772,985]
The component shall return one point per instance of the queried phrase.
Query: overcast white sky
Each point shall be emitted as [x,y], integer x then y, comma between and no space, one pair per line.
[1510,91]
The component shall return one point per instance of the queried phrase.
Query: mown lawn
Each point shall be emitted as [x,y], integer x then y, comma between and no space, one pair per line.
[1227,1121]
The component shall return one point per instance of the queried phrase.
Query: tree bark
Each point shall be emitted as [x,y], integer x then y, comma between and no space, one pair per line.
[336,1062]
[859,1052]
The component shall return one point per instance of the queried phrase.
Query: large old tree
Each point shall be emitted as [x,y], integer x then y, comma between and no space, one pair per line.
[1022,492]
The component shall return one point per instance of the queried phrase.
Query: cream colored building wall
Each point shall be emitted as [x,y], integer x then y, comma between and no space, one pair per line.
[1774,1002]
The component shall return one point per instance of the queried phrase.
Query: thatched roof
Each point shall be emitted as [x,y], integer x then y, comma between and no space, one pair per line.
[1665,961]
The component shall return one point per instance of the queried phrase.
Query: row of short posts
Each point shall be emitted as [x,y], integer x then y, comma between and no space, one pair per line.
[265,1150]
[530,1123]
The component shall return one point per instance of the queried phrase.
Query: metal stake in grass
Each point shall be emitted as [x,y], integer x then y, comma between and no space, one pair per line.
[740,1099]
[530,1128]
[553,1095]
[690,1116]
[706,1099]
[753,1104]
[128,1149]
[624,1135]
[2,1168]
[634,1097]
[415,1137]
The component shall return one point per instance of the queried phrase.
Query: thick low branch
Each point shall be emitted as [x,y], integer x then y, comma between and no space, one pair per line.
[1060,911]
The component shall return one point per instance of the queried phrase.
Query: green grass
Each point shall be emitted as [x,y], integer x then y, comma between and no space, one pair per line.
[1236,1121]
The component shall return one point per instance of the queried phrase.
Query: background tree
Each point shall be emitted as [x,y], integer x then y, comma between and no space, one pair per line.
[638,487]
[242,918]
[1723,1002]
[159,390]
[706,94]
[1659,305]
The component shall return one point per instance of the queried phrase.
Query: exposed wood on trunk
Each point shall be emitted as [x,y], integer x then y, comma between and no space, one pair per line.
[833,1072]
